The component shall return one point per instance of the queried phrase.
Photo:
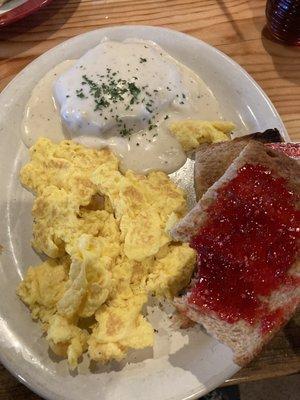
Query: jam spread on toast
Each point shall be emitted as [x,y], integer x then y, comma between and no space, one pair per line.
[246,248]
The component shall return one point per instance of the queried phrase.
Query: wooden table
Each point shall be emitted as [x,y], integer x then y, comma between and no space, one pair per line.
[233,26]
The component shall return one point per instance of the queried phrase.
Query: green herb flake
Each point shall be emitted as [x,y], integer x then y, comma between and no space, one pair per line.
[125,131]
[133,89]
[80,94]
[152,126]
[101,103]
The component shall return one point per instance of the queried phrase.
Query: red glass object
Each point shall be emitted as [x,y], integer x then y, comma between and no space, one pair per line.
[246,248]
[22,11]
[283,20]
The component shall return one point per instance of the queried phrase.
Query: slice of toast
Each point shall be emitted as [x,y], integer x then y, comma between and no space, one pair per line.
[245,339]
[212,160]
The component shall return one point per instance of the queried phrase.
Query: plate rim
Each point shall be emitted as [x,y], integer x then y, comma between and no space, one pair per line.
[31,382]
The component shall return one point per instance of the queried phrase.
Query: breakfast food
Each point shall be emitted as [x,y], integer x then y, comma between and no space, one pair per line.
[191,133]
[103,204]
[124,96]
[245,230]
[104,208]
[211,161]
[105,235]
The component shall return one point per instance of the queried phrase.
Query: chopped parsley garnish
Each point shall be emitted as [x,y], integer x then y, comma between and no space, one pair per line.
[109,89]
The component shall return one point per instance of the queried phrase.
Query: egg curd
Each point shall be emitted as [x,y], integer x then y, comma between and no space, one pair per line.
[106,237]
[192,133]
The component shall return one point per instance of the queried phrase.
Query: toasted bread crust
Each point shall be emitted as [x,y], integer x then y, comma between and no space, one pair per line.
[245,340]
[211,161]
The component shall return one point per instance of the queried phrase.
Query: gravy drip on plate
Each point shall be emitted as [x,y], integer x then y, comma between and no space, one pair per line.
[41,117]
[122,95]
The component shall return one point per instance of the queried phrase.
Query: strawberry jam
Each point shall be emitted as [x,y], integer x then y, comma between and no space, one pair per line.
[246,247]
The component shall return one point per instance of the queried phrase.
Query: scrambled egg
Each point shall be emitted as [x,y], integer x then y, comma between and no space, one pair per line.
[106,237]
[191,133]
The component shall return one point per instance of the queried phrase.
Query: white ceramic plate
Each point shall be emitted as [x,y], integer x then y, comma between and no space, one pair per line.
[182,365]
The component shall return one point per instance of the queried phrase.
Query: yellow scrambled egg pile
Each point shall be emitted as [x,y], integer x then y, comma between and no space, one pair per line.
[192,133]
[106,237]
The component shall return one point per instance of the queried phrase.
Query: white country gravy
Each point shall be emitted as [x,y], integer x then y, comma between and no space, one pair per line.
[122,95]
[41,117]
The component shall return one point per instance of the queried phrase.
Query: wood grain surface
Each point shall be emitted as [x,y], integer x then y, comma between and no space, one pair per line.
[236,27]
